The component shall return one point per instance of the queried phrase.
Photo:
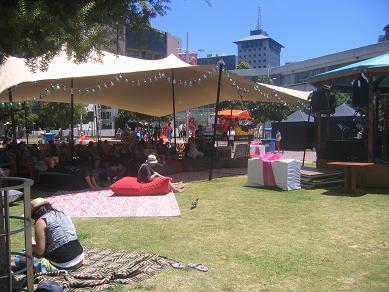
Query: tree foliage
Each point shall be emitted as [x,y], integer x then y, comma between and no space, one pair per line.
[341,97]
[40,28]
[243,65]
[57,115]
[124,116]
[20,110]
[265,111]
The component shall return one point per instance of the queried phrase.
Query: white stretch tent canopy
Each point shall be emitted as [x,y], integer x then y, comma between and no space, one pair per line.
[143,86]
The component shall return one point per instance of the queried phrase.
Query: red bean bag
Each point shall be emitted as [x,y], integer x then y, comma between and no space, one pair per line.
[129,186]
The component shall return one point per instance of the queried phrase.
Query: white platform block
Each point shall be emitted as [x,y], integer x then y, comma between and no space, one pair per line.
[255,172]
[13,195]
[287,174]
[253,149]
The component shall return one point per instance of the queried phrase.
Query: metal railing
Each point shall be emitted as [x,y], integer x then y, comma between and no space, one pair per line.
[7,184]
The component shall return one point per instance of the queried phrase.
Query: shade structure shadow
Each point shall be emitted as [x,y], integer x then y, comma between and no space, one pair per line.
[361,191]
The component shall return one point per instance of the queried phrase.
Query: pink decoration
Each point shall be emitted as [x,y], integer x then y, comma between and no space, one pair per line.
[268,175]
[106,204]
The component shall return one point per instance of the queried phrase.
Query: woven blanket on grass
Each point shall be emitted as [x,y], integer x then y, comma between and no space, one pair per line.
[103,269]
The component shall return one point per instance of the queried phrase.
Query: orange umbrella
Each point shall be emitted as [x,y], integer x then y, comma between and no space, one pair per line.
[241,114]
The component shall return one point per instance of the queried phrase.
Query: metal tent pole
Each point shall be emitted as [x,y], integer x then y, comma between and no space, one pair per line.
[174,112]
[221,64]
[12,116]
[71,117]
[14,142]
[96,124]
[25,120]
[307,134]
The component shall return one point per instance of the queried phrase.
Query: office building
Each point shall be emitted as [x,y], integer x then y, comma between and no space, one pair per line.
[296,75]
[213,59]
[259,50]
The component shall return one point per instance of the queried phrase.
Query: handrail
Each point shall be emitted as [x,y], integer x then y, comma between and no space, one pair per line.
[7,184]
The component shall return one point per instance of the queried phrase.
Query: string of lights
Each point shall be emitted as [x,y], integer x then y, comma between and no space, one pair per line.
[120,79]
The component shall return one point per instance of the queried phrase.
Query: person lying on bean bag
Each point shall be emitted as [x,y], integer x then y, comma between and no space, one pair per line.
[146,174]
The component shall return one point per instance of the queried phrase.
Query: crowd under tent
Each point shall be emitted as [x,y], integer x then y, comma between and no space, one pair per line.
[368,83]
[152,87]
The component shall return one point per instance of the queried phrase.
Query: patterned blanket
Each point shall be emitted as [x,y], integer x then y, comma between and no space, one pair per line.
[103,269]
[105,203]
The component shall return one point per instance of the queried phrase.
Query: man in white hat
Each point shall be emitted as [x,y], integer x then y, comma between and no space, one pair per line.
[146,174]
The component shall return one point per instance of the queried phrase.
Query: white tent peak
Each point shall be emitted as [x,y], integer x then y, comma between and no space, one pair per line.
[144,86]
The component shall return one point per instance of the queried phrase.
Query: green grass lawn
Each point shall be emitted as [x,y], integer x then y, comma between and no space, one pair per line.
[255,239]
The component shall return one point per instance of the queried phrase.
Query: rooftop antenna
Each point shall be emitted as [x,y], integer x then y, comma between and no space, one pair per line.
[259,20]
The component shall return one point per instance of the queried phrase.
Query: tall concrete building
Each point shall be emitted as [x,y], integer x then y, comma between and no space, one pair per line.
[259,50]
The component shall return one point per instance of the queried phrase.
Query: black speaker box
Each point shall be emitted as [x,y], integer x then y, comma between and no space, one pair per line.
[318,102]
[360,93]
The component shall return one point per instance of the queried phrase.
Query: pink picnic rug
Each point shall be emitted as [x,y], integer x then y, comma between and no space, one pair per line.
[105,204]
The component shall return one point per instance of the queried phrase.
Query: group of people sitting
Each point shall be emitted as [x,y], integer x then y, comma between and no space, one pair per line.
[56,241]
[99,163]
[56,245]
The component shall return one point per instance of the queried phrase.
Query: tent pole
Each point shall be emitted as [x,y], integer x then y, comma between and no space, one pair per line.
[229,127]
[159,129]
[307,132]
[216,117]
[12,116]
[96,124]
[370,122]
[71,117]
[174,112]
[14,141]
[25,120]
[231,104]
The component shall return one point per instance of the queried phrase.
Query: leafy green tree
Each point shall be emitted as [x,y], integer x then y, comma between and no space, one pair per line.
[21,111]
[263,111]
[341,97]
[273,111]
[243,65]
[57,115]
[39,28]
[125,116]
[264,79]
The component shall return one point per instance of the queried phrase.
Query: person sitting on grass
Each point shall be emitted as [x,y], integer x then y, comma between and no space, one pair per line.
[146,174]
[56,239]
[193,152]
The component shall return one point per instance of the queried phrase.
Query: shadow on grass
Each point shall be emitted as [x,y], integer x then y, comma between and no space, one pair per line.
[278,190]
[340,192]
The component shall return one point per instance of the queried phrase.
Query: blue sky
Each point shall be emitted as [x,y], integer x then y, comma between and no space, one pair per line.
[306,28]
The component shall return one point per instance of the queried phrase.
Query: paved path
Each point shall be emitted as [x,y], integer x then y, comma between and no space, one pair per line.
[309,155]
